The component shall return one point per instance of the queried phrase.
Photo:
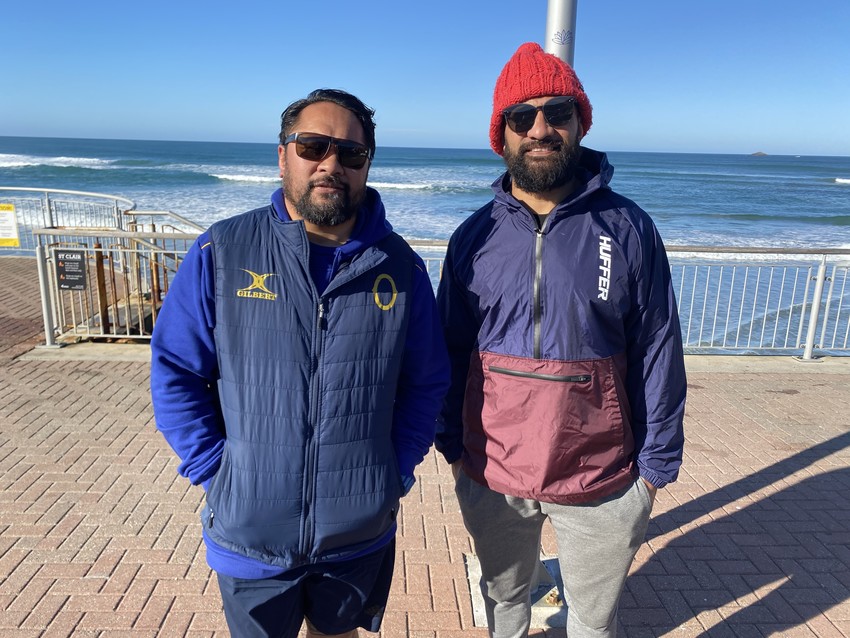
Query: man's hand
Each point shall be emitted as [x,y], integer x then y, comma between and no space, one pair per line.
[649,486]
[456,469]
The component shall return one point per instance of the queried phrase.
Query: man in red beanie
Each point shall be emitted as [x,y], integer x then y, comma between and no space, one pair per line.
[568,379]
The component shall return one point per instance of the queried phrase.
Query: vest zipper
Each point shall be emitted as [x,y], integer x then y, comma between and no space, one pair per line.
[312,447]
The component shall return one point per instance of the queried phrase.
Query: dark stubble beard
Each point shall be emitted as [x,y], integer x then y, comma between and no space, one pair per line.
[327,210]
[539,175]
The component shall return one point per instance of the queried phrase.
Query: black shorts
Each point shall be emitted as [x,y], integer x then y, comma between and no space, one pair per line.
[333,597]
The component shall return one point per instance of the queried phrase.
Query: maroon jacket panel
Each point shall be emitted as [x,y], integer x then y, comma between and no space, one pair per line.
[554,431]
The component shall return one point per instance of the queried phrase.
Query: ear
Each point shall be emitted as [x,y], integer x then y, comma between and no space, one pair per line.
[281,158]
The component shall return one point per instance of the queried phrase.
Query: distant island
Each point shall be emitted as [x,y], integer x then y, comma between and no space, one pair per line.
[758,154]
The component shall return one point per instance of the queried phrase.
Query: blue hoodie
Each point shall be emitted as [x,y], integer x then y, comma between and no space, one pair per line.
[184,368]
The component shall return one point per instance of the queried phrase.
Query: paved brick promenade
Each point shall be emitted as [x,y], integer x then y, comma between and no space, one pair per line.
[100,537]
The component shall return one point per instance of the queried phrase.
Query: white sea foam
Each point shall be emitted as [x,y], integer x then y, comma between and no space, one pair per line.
[17,161]
[380,185]
[20,161]
[255,179]
[842,180]
[83,162]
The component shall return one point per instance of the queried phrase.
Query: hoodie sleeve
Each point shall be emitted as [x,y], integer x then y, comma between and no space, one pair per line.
[656,366]
[460,327]
[184,367]
[423,380]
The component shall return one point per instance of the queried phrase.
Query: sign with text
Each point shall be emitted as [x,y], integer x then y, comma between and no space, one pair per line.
[71,269]
[9,226]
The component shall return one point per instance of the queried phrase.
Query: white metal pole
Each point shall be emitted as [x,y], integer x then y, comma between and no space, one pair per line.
[813,317]
[44,286]
[561,29]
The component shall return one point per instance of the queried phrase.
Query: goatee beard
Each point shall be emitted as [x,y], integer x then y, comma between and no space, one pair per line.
[327,210]
[542,174]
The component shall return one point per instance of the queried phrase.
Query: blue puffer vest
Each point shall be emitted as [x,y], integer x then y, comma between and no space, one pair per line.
[307,390]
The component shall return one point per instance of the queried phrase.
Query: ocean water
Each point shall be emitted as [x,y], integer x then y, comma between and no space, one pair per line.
[695,199]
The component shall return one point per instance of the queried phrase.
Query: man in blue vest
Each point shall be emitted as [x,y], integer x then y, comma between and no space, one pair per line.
[568,379]
[297,370]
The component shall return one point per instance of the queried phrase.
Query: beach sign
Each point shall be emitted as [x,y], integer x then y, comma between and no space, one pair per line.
[71,269]
[9,226]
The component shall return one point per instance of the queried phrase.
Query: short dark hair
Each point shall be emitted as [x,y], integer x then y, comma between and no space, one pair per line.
[346,100]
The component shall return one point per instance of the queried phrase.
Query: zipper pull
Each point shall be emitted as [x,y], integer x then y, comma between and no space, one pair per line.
[321,315]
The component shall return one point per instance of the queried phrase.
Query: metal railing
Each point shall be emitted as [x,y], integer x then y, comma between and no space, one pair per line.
[102,280]
[733,301]
[749,300]
[26,210]
[105,284]
[103,266]
[762,300]
[29,209]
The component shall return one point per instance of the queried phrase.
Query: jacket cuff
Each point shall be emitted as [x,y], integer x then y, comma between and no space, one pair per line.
[651,477]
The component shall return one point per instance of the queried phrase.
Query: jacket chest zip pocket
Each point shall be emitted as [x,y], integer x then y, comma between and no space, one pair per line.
[571,378]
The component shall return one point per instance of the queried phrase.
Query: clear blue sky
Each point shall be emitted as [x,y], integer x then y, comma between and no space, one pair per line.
[732,76]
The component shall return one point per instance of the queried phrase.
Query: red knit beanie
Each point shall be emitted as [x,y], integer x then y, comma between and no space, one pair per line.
[531,73]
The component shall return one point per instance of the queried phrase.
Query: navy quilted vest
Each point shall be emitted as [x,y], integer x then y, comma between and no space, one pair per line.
[307,391]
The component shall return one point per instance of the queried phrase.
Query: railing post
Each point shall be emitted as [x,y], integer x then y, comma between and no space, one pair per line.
[117,215]
[813,316]
[48,210]
[100,280]
[46,310]
[156,284]
[826,308]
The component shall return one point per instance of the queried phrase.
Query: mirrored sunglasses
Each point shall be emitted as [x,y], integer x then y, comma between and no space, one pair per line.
[557,112]
[315,147]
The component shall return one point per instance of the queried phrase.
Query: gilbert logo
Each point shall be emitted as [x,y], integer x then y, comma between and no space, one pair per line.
[257,289]
[604,267]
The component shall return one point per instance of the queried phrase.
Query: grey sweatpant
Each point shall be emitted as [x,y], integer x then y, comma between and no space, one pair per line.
[596,545]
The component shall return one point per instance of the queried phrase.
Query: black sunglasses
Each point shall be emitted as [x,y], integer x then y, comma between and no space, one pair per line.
[557,112]
[315,147]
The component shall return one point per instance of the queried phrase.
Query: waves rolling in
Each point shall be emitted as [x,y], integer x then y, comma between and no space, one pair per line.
[694,199]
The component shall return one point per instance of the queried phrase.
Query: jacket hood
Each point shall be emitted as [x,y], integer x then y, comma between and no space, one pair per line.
[371,225]
[594,173]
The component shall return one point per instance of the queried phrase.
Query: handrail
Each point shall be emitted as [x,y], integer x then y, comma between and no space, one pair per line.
[120,234]
[758,250]
[48,191]
[747,250]
[165,213]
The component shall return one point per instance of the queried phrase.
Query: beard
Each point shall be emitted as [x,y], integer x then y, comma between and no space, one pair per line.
[328,209]
[542,174]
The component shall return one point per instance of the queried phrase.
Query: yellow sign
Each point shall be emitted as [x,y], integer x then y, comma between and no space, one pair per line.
[9,226]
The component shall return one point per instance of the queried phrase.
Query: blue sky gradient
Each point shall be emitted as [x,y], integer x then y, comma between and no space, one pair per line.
[726,76]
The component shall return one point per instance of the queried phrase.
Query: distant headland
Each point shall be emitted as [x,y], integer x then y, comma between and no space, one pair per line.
[759,154]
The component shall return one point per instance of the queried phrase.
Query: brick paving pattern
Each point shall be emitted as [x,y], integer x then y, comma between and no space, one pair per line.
[100,537]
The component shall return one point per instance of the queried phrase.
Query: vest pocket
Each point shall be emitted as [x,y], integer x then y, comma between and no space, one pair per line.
[216,483]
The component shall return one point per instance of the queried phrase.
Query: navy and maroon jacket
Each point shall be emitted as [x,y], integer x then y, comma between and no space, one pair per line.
[568,375]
